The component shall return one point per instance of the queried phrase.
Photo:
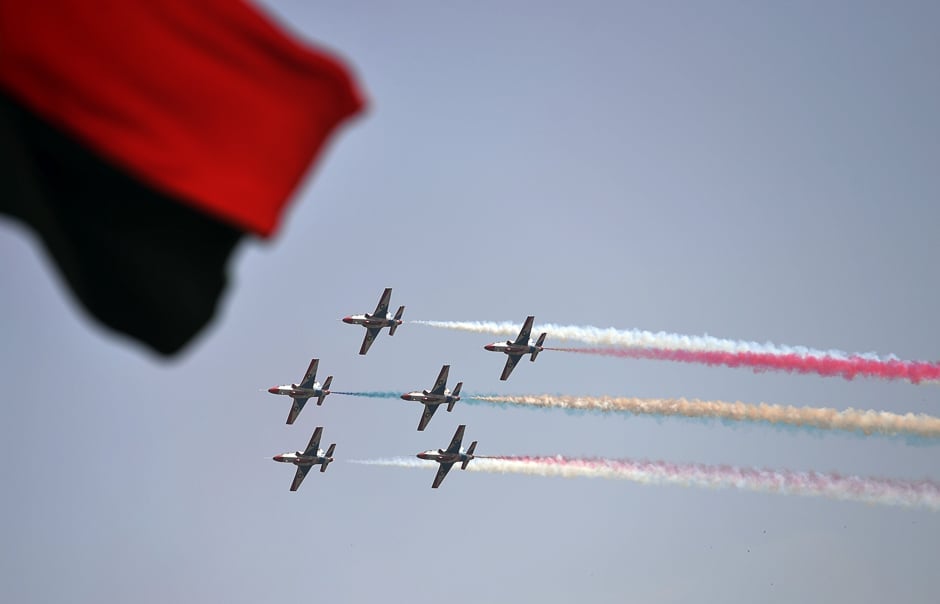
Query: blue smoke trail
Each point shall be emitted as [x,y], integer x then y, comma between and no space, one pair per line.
[370,394]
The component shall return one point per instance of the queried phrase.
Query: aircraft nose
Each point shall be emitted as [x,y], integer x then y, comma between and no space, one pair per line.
[273,389]
[278,458]
[490,347]
[405,397]
[347,319]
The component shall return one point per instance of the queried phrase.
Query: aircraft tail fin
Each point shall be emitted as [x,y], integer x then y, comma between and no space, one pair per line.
[473,445]
[329,457]
[324,390]
[456,395]
[538,346]
[401,311]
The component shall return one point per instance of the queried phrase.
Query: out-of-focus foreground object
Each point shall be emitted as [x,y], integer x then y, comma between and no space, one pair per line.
[142,140]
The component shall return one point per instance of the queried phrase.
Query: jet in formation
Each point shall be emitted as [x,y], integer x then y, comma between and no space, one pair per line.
[307,389]
[447,458]
[377,320]
[313,455]
[518,348]
[435,397]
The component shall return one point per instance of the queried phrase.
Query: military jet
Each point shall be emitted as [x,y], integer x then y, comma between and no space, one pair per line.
[447,458]
[518,348]
[435,397]
[307,388]
[377,320]
[313,455]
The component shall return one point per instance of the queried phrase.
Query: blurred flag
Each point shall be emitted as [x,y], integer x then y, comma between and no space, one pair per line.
[142,140]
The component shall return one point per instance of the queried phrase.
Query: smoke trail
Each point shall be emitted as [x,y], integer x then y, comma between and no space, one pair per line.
[884,491]
[851,420]
[716,351]
[634,338]
[370,394]
[849,368]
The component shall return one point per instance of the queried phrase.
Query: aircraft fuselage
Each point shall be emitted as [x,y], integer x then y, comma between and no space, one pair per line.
[299,459]
[372,321]
[441,456]
[512,348]
[295,391]
[428,398]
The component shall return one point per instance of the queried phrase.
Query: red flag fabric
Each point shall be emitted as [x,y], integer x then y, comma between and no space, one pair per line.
[205,100]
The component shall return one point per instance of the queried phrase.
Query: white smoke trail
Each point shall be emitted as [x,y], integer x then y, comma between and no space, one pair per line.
[708,350]
[881,491]
[866,421]
[636,338]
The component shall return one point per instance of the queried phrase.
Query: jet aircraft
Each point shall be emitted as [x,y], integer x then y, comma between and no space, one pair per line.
[518,348]
[435,397]
[313,455]
[447,458]
[377,320]
[307,388]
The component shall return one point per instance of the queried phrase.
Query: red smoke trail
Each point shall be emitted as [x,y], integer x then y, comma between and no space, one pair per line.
[885,491]
[922,493]
[848,368]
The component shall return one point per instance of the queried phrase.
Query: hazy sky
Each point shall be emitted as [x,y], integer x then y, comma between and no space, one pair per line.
[751,170]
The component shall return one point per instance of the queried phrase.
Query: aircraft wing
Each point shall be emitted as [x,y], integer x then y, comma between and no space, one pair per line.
[441,473]
[314,444]
[299,476]
[510,365]
[296,408]
[382,308]
[371,332]
[311,376]
[454,446]
[427,415]
[441,382]
[526,330]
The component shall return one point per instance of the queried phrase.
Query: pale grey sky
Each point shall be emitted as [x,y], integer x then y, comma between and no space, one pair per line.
[761,171]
